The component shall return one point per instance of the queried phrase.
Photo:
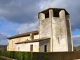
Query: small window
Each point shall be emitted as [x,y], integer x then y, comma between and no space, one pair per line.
[58,40]
[31,48]
[18,48]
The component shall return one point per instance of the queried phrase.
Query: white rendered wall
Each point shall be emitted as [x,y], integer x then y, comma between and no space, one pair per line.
[43,43]
[11,42]
[26,47]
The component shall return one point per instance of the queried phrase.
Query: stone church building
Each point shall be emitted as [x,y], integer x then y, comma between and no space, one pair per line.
[53,34]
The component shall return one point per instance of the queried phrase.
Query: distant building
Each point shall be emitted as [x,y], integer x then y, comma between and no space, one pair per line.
[53,35]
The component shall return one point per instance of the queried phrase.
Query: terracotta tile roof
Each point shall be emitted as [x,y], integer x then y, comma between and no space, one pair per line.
[24,34]
[35,40]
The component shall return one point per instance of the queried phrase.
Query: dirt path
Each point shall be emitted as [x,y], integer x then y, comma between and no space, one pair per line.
[6,58]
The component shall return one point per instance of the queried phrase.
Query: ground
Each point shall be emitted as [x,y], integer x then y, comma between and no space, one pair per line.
[2,59]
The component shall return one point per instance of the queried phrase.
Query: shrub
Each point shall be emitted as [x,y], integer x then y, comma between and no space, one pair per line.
[17,54]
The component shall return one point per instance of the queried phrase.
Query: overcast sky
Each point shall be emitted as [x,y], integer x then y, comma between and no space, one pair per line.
[19,16]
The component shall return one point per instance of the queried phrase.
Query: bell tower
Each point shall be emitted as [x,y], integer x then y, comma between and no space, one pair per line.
[55,23]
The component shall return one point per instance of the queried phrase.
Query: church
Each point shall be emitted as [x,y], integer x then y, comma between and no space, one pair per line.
[53,34]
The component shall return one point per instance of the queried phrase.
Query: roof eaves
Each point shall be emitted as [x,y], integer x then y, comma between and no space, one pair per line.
[24,34]
[35,40]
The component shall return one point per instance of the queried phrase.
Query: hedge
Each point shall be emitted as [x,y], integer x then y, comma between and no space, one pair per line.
[17,55]
[41,55]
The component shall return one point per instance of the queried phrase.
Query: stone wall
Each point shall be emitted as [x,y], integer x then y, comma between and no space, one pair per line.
[26,47]
[70,41]
[45,26]
[59,35]
[11,42]
[57,27]
[42,44]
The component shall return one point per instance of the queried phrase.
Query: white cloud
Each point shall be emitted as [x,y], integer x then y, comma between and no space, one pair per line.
[76,36]
[3,42]
[3,38]
[19,11]
[72,6]
[76,40]
[25,11]
[27,27]
[52,3]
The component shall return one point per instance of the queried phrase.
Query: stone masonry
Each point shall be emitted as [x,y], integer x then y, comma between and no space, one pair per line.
[53,35]
[56,25]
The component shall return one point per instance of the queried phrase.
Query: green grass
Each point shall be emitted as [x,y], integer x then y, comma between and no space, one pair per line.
[2,59]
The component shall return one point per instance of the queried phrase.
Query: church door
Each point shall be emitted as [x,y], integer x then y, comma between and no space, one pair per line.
[45,48]
[31,48]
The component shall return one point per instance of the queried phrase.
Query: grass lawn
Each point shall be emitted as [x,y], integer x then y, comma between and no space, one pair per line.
[2,59]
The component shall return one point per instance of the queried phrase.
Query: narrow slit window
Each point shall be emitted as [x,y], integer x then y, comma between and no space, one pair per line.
[31,48]
[18,48]
[58,40]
